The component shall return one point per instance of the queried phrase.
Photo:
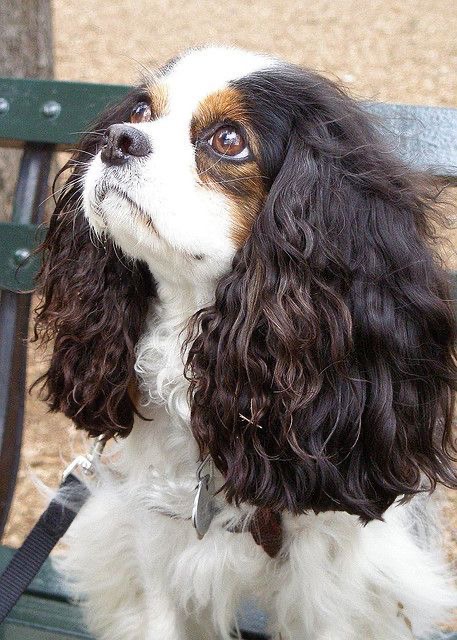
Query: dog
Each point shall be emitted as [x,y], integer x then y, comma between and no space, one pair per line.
[242,288]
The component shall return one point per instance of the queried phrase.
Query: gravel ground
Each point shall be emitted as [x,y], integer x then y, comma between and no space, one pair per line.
[398,51]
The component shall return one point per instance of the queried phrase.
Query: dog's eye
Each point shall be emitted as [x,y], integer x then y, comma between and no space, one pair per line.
[141,112]
[228,141]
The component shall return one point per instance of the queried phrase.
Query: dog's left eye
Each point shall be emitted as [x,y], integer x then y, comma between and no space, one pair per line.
[228,141]
[141,112]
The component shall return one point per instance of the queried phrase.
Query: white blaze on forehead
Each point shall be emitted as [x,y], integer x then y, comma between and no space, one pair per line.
[202,72]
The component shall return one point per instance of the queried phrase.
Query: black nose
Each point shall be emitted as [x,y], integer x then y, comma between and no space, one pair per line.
[121,141]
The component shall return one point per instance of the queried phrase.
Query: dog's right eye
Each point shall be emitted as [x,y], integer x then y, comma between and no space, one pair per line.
[227,141]
[141,112]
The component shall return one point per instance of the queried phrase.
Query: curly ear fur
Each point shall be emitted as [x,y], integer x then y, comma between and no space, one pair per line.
[323,376]
[93,305]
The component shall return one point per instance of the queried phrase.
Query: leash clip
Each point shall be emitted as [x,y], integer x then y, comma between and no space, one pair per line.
[85,463]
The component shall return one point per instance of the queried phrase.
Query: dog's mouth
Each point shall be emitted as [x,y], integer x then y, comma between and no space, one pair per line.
[105,188]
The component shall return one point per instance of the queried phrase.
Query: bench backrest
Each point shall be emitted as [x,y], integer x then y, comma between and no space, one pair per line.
[44,116]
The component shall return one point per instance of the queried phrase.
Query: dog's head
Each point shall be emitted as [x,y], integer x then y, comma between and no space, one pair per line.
[322,370]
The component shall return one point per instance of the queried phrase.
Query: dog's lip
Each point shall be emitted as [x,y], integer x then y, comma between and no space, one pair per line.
[105,189]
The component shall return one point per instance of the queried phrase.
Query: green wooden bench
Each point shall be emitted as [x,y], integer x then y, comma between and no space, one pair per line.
[42,117]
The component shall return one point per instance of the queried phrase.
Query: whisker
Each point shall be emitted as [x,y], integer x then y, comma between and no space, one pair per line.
[92,155]
[95,132]
[79,163]
[119,257]
[240,178]
[213,165]
[56,192]
[152,74]
[95,238]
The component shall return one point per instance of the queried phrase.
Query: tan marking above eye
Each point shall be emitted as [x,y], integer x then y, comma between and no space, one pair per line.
[224,106]
[228,141]
[141,112]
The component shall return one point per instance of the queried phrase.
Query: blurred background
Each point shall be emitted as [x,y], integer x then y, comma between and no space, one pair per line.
[388,50]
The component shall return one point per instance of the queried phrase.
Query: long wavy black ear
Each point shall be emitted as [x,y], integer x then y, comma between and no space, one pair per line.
[323,376]
[93,304]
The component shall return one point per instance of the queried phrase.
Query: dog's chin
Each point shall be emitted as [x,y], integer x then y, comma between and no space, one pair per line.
[115,215]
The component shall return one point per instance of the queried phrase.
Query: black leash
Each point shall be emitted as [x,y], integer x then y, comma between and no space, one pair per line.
[47,532]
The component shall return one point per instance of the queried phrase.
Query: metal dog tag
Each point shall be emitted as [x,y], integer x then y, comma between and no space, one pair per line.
[204,509]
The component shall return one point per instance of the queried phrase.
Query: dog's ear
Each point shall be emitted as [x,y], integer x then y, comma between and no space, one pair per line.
[323,376]
[93,304]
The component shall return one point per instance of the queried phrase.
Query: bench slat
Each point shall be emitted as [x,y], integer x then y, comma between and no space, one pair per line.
[41,619]
[424,137]
[80,103]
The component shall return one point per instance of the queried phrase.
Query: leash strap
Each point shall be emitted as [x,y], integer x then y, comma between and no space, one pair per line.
[51,526]
[30,557]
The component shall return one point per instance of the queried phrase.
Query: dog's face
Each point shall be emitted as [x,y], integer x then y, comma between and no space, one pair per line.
[182,179]
[322,370]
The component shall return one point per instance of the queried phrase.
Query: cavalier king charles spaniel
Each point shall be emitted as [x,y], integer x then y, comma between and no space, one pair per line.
[242,288]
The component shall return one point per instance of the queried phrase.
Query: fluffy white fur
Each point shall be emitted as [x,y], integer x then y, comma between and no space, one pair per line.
[143,575]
